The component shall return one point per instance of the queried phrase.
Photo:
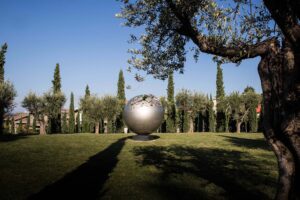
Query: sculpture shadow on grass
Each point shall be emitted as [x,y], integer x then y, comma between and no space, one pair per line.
[248,143]
[237,173]
[87,180]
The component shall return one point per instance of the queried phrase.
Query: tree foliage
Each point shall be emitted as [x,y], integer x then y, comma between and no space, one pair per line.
[58,99]
[2,61]
[122,100]
[36,106]
[232,31]
[220,95]
[7,90]
[171,108]
[71,115]
[64,126]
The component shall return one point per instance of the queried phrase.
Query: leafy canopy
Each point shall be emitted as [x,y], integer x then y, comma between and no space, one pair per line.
[223,28]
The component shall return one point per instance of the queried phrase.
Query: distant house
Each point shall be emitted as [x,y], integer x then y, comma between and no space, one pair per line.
[22,117]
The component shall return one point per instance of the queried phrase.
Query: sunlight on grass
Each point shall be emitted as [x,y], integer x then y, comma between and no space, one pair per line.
[181,166]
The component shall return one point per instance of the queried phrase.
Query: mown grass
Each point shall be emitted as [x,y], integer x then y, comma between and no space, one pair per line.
[113,166]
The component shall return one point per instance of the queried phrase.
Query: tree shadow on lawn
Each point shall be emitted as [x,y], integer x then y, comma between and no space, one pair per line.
[11,138]
[248,143]
[87,180]
[237,173]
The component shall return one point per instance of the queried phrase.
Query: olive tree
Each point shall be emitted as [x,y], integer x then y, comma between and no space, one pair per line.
[110,109]
[233,31]
[37,107]
[7,96]
[92,107]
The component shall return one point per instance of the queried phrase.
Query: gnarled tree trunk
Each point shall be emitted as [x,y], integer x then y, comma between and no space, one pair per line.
[279,73]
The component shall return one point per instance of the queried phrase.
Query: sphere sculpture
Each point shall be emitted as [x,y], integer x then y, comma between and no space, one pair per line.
[143,114]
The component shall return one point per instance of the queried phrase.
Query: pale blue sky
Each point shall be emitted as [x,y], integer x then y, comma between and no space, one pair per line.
[90,44]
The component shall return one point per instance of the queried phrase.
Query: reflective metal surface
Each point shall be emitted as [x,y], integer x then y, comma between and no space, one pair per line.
[143,114]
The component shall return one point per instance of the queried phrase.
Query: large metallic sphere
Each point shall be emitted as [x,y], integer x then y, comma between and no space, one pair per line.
[143,114]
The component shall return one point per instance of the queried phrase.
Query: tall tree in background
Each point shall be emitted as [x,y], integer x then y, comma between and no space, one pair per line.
[234,31]
[2,62]
[71,115]
[184,103]
[220,95]
[85,122]
[252,101]
[92,107]
[36,106]
[211,116]
[7,91]
[171,109]
[122,100]
[110,109]
[55,118]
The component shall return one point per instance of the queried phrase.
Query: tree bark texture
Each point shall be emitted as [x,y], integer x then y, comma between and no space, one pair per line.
[279,74]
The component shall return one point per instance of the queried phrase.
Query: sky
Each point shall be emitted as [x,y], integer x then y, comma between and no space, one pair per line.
[90,44]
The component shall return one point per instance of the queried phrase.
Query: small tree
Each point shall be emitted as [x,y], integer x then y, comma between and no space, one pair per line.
[7,96]
[71,115]
[37,106]
[7,91]
[53,104]
[251,100]
[239,109]
[184,104]
[85,123]
[64,127]
[92,107]
[110,109]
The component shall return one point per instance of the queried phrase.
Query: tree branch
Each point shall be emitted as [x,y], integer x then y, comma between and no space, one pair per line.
[206,45]
[286,13]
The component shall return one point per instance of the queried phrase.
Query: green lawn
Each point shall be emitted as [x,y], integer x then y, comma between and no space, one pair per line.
[113,166]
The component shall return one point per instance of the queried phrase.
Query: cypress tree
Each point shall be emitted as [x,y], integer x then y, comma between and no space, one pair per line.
[220,94]
[55,121]
[171,115]
[85,123]
[56,82]
[2,63]
[71,115]
[122,99]
[211,115]
[64,127]
[87,91]
[34,125]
